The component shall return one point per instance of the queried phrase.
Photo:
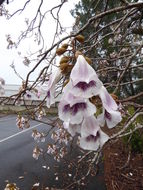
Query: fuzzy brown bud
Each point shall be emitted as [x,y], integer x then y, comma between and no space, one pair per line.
[89,61]
[64,59]
[65,46]
[80,38]
[77,53]
[63,66]
[60,51]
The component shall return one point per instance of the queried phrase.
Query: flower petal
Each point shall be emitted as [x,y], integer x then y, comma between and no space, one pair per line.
[112,118]
[73,109]
[72,129]
[103,138]
[89,134]
[89,145]
[84,79]
[107,100]
[89,126]
[101,119]
[53,79]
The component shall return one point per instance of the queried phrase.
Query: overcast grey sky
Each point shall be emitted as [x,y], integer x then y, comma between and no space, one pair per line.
[15,25]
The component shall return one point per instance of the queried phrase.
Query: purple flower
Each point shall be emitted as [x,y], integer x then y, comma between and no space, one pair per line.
[91,135]
[110,114]
[85,82]
[111,118]
[73,109]
[53,79]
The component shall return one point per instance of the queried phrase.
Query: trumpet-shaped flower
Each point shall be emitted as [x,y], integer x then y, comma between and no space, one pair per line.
[53,79]
[92,137]
[84,79]
[110,113]
[73,109]
[111,118]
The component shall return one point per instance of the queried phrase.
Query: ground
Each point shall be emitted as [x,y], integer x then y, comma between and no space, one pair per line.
[122,171]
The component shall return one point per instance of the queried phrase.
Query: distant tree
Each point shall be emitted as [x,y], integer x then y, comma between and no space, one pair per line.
[114,39]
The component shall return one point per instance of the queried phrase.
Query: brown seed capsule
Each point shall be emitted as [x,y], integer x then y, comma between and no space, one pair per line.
[64,59]
[88,60]
[80,38]
[60,51]
[65,46]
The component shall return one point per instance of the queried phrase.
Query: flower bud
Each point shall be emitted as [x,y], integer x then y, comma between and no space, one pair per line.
[88,60]
[80,38]
[60,51]
[77,53]
[65,46]
[63,66]
[64,59]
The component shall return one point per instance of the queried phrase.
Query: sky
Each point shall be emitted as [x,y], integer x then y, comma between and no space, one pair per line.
[15,25]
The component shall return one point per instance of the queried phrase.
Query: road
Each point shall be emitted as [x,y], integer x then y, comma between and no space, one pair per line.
[16,162]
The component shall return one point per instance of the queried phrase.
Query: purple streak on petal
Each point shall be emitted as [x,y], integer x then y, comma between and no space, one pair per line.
[48,94]
[28,96]
[108,115]
[66,108]
[92,137]
[84,86]
[77,107]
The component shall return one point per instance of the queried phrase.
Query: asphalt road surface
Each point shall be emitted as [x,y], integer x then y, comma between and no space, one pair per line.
[17,164]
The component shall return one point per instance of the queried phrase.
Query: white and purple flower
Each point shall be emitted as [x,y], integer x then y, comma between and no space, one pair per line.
[73,109]
[111,116]
[92,137]
[84,79]
[50,89]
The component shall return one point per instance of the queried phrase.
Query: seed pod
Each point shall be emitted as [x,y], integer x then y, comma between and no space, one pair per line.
[60,51]
[88,60]
[80,38]
[64,59]
[65,46]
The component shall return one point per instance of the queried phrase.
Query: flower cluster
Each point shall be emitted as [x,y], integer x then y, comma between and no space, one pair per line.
[38,136]
[61,136]
[22,122]
[57,152]
[11,186]
[37,152]
[40,113]
[77,111]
